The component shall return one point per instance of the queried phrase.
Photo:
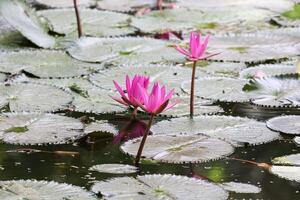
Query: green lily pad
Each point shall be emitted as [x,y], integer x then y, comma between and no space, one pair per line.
[125,5]
[63,3]
[114,168]
[291,173]
[101,126]
[159,187]
[2,77]
[289,124]
[293,159]
[240,187]
[225,69]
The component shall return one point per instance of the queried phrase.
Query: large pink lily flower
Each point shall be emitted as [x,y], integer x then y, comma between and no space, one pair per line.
[133,97]
[157,101]
[197,47]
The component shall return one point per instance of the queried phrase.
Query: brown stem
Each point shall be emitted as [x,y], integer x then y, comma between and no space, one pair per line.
[193,90]
[261,165]
[79,27]
[142,144]
[159,4]
[134,113]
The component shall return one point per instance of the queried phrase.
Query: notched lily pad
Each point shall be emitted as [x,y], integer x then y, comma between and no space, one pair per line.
[240,187]
[293,159]
[35,128]
[291,173]
[2,77]
[159,187]
[125,5]
[114,168]
[223,69]
[33,189]
[289,124]
[62,3]
[101,126]
[94,22]
[23,18]
[180,149]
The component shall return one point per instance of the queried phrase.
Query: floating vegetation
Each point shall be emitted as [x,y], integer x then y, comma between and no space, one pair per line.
[293,159]
[287,172]
[289,124]
[62,3]
[101,126]
[125,5]
[240,187]
[114,168]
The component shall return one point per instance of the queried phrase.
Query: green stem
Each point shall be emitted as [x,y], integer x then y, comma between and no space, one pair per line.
[192,98]
[79,27]
[142,144]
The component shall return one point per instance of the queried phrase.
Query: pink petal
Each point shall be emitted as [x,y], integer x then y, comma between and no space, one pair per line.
[119,100]
[203,47]
[118,87]
[171,106]
[169,96]
[128,87]
[211,55]
[182,51]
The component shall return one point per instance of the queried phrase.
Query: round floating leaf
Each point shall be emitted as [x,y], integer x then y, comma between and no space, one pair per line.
[201,107]
[290,18]
[33,189]
[32,129]
[276,92]
[33,97]
[87,97]
[297,140]
[101,126]
[289,124]
[235,130]
[22,18]
[218,89]
[168,75]
[269,70]
[124,50]
[293,159]
[2,77]
[114,168]
[125,5]
[225,69]
[240,187]
[287,172]
[45,64]
[180,149]
[63,3]
[159,187]
[94,22]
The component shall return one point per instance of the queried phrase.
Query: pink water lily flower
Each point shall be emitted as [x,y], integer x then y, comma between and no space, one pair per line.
[197,48]
[260,75]
[132,97]
[157,101]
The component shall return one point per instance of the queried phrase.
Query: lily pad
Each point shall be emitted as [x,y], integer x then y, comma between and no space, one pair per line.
[291,173]
[33,97]
[180,148]
[114,168]
[225,69]
[269,70]
[23,18]
[34,128]
[276,92]
[293,159]
[297,140]
[124,50]
[289,124]
[94,22]
[45,64]
[63,3]
[235,130]
[159,187]
[290,18]
[33,189]
[240,187]
[218,89]
[2,77]
[125,5]
[101,126]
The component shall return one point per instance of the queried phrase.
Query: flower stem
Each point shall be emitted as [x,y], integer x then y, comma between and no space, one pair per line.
[192,99]
[159,4]
[134,113]
[79,28]
[265,166]
[142,144]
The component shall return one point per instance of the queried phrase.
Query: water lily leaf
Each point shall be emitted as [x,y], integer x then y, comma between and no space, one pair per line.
[235,130]
[218,89]
[114,168]
[290,18]
[169,75]
[291,173]
[142,50]
[276,92]
[180,149]
[269,70]
[2,77]
[94,22]
[101,126]
[63,3]
[159,187]
[33,189]
[240,187]
[297,140]
[201,107]
[33,129]
[23,18]
[87,97]
[33,97]
[45,64]
[293,159]
[289,124]
[125,5]
[225,69]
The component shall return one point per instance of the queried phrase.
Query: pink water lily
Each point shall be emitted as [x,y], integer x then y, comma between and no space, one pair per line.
[157,101]
[260,75]
[197,48]
[132,97]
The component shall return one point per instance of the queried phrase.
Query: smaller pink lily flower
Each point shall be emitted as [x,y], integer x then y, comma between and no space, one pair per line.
[197,47]
[133,97]
[260,75]
[157,101]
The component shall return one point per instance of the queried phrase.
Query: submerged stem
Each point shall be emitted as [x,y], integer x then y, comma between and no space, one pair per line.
[134,113]
[261,165]
[192,98]
[79,28]
[142,144]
